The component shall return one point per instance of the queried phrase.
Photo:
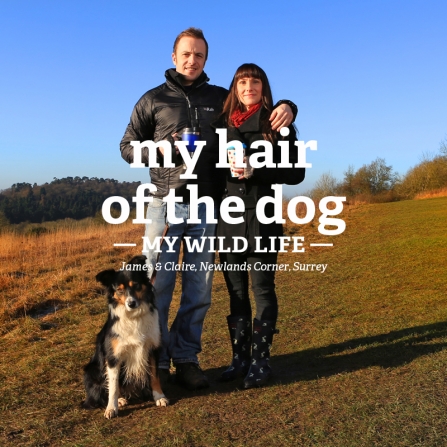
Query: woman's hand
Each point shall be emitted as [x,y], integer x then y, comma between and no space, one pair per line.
[282,116]
[239,172]
[243,173]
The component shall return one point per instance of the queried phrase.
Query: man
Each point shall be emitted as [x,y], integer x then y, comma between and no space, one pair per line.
[185,100]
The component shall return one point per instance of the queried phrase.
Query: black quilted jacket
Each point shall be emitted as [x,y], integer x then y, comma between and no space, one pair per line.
[167,109]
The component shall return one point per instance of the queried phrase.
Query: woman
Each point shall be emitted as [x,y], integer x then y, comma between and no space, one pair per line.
[246,116]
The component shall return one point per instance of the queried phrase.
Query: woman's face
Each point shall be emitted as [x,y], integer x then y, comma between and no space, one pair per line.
[249,91]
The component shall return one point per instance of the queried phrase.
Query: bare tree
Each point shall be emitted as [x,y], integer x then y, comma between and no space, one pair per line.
[326,185]
[443,147]
[375,178]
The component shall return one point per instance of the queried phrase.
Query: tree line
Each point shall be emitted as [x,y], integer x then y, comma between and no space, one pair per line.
[81,197]
[378,182]
[69,197]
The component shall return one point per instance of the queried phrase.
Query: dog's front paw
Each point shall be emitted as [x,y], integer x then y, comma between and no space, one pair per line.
[160,399]
[122,402]
[162,402]
[111,413]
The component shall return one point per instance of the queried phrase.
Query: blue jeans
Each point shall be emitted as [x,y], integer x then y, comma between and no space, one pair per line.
[182,342]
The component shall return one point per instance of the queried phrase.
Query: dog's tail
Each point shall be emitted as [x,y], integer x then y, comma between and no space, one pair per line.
[94,387]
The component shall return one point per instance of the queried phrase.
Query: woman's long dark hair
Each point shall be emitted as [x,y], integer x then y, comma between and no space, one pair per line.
[232,102]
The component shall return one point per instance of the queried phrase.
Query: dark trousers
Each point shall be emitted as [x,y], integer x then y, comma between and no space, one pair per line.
[238,268]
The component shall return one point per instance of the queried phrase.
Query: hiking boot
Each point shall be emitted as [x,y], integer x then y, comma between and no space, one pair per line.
[190,376]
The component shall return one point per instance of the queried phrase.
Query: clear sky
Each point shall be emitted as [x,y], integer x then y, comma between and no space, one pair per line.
[369,77]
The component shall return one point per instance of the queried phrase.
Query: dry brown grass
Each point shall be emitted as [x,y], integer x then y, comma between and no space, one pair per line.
[442,192]
[360,359]
[39,274]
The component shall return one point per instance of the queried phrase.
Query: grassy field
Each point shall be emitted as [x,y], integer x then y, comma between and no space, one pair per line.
[360,359]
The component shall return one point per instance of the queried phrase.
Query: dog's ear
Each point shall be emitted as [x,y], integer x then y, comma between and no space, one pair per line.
[141,260]
[106,277]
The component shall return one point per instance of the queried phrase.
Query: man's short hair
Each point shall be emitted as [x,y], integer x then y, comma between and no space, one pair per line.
[197,33]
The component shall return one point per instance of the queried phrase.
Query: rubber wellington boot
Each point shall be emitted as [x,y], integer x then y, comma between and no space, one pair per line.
[260,371]
[240,334]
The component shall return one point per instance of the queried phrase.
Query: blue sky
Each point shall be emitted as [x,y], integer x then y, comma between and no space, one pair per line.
[369,77]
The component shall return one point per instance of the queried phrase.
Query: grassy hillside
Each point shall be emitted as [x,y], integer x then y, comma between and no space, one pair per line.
[359,360]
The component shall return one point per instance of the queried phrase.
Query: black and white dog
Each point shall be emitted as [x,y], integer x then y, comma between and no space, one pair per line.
[126,357]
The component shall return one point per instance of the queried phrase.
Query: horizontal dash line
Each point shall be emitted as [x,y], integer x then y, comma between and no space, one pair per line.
[321,245]
[124,245]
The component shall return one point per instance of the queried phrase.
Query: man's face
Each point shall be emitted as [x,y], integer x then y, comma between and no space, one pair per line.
[189,58]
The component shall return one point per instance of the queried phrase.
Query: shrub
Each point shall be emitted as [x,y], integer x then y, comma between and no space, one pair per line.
[428,175]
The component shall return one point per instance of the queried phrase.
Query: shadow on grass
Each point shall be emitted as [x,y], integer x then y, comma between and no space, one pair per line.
[389,350]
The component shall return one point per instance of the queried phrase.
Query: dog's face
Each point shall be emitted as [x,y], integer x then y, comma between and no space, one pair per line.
[129,287]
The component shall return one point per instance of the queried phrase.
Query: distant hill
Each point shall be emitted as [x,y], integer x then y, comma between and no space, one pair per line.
[70,197]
